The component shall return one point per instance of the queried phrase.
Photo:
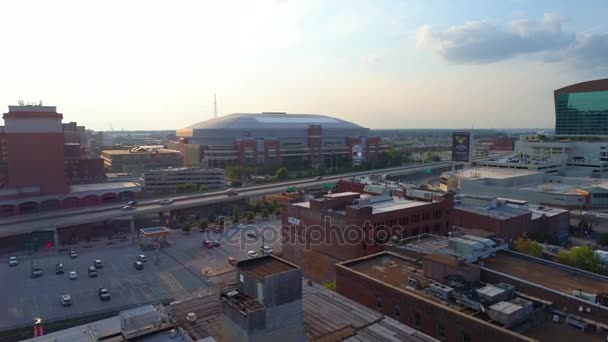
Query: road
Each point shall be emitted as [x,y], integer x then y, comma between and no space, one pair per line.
[65,218]
[185,269]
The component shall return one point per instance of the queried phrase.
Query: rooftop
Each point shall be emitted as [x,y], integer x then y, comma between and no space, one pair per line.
[501,212]
[494,173]
[265,266]
[329,316]
[266,120]
[123,152]
[559,278]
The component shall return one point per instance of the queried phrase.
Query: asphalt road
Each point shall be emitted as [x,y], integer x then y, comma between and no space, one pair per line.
[182,271]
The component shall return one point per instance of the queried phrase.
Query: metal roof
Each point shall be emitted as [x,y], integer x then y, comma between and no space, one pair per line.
[252,121]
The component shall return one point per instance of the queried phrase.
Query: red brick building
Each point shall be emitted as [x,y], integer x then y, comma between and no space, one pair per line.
[503,143]
[321,232]
[394,285]
[35,141]
[510,219]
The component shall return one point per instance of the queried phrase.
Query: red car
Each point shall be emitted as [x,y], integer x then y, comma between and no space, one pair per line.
[232,261]
[208,244]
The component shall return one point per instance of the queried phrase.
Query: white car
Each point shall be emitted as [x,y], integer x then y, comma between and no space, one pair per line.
[142,258]
[252,254]
[240,226]
[12,261]
[165,201]
[266,249]
[66,300]
[73,275]
[128,207]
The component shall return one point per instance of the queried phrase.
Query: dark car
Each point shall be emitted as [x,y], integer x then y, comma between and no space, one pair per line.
[104,294]
[36,271]
[59,268]
[215,243]
[138,265]
[98,263]
[92,272]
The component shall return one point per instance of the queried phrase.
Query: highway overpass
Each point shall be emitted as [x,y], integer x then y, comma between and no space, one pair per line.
[65,218]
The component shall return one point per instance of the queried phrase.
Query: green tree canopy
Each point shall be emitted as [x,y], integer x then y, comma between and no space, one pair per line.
[529,247]
[236,215]
[186,188]
[582,257]
[203,188]
[282,174]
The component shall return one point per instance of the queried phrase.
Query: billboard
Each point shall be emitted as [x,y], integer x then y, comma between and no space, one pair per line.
[357,154]
[461,146]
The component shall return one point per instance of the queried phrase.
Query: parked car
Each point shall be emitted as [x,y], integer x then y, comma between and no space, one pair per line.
[66,300]
[142,258]
[92,272]
[138,265]
[252,254]
[59,268]
[12,261]
[208,244]
[73,275]
[232,261]
[240,226]
[73,254]
[215,243]
[98,263]
[165,201]
[266,249]
[252,234]
[36,271]
[103,294]
[132,203]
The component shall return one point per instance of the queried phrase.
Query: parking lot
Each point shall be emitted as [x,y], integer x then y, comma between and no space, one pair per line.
[185,269]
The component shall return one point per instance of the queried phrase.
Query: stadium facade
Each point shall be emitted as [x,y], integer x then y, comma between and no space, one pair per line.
[256,138]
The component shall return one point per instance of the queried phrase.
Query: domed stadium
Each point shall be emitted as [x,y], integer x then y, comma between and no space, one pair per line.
[280,137]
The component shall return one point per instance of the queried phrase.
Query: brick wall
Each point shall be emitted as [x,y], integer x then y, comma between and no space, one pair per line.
[431,316]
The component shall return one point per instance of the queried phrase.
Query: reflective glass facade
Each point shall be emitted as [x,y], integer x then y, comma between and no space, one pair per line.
[583,113]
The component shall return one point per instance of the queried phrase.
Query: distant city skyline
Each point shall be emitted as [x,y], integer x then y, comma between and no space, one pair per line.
[152,65]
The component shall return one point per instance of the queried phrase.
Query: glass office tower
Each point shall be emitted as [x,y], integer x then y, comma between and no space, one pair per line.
[582,109]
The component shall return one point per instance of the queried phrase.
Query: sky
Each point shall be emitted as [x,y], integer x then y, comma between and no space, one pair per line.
[131,64]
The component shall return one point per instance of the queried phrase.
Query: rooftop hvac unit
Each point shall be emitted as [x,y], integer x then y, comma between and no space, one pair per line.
[413,283]
[440,290]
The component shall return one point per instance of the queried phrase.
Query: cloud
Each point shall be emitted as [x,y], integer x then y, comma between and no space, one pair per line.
[591,50]
[370,59]
[485,42]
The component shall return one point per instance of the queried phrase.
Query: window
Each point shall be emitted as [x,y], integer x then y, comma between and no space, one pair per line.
[440,331]
[378,303]
[396,312]
[416,322]
[466,337]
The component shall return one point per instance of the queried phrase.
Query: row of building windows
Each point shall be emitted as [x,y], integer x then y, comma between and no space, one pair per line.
[417,321]
[413,219]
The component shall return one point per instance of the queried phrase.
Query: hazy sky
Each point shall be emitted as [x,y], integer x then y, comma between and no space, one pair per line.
[383,64]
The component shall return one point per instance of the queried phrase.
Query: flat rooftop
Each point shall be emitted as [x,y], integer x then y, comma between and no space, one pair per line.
[91,332]
[103,186]
[122,152]
[559,279]
[492,172]
[498,212]
[265,266]
[395,204]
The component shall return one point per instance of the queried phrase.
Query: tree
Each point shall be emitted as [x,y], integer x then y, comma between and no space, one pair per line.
[204,224]
[529,247]
[250,215]
[282,174]
[330,286]
[582,257]
[203,188]
[236,215]
[186,228]
[186,188]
